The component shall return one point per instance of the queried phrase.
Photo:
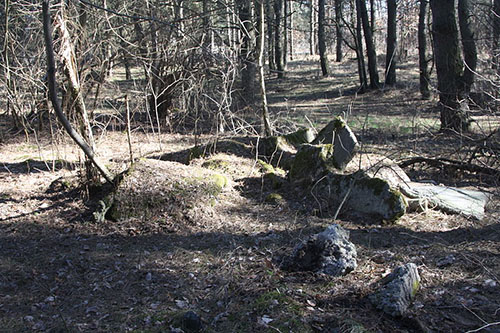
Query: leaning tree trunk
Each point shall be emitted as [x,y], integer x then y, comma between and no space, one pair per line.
[259,8]
[390,57]
[454,115]
[278,50]
[370,47]
[422,52]
[51,70]
[338,30]
[322,38]
[468,44]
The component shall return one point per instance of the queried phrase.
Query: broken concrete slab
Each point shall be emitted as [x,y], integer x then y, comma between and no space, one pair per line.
[469,203]
[397,291]
[329,252]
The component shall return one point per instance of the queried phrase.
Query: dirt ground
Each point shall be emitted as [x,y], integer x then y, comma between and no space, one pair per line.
[60,271]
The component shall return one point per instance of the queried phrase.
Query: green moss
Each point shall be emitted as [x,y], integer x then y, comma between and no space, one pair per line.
[303,135]
[338,123]
[376,184]
[415,287]
[219,180]
[274,198]
[215,164]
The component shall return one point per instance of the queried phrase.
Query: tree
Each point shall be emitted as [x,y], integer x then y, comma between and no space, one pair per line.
[51,69]
[422,51]
[496,34]
[390,58]
[278,49]
[370,46]
[247,51]
[363,83]
[338,30]
[468,45]
[322,38]
[259,6]
[312,27]
[449,66]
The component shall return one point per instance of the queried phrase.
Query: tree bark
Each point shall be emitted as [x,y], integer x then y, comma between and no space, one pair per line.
[496,35]
[247,51]
[454,115]
[285,33]
[270,35]
[359,51]
[291,38]
[370,47]
[390,57]
[278,50]
[422,52]
[468,44]
[338,30]
[51,70]
[259,8]
[322,38]
[312,28]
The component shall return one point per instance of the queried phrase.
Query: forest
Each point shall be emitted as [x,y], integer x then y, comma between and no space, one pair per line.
[250,165]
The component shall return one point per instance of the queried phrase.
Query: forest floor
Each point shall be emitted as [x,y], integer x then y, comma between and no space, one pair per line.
[61,271]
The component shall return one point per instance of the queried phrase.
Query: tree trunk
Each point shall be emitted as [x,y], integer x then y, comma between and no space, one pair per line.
[278,51]
[322,38]
[496,35]
[390,57]
[454,116]
[285,33]
[338,30]
[291,39]
[270,35]
[422,52]
[468,44]
[312,28]
[247,51]
[259,8]
[51,70]
[359,51]
[370,47]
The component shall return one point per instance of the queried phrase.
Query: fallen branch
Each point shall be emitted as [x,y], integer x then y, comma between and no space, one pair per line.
[442,162]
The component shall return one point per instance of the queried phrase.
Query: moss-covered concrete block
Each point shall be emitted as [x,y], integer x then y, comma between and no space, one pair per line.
[310,162]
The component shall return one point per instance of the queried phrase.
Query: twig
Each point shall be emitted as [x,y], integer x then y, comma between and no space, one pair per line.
[483,327]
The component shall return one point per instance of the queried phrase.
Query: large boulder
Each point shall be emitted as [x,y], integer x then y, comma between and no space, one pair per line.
[343,139]
[361,193]
[397,290]
[311,162]
[329,252]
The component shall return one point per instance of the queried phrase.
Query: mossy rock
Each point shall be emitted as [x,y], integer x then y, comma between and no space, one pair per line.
[155,189]
[273,176]
[274,198]
[299,137]
[326,135]
[364,194]
[311,162]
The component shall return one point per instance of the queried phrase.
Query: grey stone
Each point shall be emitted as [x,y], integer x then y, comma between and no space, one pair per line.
[397,291]
[310,163]
[191,322]
[343,139]
[469,203]
[329,252]
[361,193]
[303,135]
